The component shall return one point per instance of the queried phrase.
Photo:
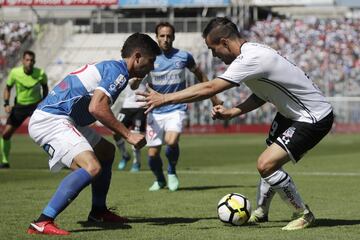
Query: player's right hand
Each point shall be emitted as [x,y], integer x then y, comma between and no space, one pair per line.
[150,98]
[136,139]
[220,112]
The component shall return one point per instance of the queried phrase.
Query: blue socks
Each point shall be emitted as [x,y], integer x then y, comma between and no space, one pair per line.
[100,186]
[172,154]
[155,164]
[68,190]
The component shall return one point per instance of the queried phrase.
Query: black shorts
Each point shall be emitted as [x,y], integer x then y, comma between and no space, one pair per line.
[134,118]
[297,138]
[19,113]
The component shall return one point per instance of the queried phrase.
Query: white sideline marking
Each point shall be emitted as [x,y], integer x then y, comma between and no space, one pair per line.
[343,174]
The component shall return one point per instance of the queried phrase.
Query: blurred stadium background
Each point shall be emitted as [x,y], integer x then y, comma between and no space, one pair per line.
[321,36]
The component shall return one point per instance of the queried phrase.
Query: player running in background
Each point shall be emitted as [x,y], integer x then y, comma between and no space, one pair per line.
[165,124]
[31,87]
[304,115]
[132,115]
[60,126]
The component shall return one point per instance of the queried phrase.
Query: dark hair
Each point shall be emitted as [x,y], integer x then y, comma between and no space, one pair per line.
[28,52]
[220,27]
[142,42]
[164,24]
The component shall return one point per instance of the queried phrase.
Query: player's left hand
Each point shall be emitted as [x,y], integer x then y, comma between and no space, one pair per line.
[151,99]
[220,112]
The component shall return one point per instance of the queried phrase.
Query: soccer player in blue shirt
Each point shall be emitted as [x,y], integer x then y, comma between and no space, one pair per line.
[60,126]
[165,123]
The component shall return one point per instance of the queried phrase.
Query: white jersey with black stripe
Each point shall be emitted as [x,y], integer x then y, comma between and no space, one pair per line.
[274,79]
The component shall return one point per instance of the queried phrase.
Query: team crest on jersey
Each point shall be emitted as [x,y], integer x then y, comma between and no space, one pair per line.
[179,64]
[289,132]
[118,83]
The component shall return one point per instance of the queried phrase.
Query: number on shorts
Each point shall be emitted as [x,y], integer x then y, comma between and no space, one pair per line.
[273,129]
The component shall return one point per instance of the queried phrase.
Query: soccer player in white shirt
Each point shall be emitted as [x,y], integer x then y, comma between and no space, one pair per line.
[304,115]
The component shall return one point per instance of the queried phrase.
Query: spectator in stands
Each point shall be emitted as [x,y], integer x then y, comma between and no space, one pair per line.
[28,81]
[304,115]
[164,124]
[60,125]
[132,115]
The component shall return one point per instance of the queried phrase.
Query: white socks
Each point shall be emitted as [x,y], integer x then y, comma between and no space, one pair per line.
[265,194]
[281,182]
[136,154]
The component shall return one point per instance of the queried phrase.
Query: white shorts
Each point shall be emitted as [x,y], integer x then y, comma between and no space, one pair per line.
[60,138]
[158,124]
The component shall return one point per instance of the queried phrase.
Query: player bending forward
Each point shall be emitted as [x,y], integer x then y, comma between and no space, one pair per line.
[60,126]
[304,115]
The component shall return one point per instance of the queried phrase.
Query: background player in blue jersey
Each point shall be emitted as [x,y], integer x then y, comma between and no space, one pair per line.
[164,124]
[60,126]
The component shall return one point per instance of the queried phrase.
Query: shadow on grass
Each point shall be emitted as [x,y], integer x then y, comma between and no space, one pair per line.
[94,227]
[200,188]
[168,220]
[325,222]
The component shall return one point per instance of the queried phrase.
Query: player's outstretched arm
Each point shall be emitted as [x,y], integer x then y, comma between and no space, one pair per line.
[251,103]
[201,76]
[100,108]
[194,93]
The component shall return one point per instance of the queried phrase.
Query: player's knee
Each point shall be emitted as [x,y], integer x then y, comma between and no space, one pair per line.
[93,169]
[7,134]
[264,166]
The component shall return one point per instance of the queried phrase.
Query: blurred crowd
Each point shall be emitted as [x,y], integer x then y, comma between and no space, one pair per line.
[12,38]
[328,50]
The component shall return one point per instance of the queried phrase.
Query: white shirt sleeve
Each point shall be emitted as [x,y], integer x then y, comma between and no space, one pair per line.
[244,67]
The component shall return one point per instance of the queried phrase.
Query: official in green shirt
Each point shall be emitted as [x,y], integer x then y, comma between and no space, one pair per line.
[31,87]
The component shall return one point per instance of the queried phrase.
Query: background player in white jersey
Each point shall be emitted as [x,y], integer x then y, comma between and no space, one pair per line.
[304,115]
[164,124]
[60,126]
[132,115]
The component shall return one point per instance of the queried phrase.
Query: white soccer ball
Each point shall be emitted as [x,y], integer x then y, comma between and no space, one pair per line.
[234,209]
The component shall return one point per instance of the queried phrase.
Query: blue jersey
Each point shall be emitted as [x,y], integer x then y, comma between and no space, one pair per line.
[71,97]
[168,76]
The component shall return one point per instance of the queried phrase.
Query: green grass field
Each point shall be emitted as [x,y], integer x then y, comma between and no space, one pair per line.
[211,166]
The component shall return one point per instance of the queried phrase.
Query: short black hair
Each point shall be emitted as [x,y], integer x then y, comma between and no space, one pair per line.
[140,41]
[220,27]
[164,24]
[29,52]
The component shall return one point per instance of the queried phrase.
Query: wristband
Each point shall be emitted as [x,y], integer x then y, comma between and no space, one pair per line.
[6,103]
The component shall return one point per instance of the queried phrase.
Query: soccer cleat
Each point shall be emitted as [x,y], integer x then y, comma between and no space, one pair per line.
[157,186]
[135,167]
[305,220]
[106,216]
[46,227]
[173,182]
[4,165]
[123,162]
[254,218]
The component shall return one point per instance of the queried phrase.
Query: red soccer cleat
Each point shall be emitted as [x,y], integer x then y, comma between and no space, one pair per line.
[46,227]
[106,216]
